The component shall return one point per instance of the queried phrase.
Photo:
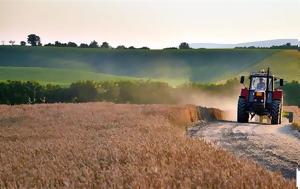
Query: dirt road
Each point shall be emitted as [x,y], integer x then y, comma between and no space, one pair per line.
[276,147]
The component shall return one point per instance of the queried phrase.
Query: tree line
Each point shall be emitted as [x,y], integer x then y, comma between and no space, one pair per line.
[132,91]
[138,92]
[35,40]
[285,46]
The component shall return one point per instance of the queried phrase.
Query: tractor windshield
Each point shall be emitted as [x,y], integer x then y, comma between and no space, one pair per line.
[259,83]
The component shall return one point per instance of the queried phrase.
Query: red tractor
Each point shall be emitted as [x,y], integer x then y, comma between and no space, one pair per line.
[260,98]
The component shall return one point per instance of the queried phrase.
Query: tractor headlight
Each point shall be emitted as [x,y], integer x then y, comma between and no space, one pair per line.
[259,94]
[261,100]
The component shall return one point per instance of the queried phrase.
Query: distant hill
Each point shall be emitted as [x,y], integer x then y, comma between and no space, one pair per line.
[65,65]
[266,43]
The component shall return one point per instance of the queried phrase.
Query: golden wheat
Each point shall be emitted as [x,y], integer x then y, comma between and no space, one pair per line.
[103,145]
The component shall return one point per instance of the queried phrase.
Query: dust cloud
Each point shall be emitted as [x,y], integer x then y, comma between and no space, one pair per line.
[205,99]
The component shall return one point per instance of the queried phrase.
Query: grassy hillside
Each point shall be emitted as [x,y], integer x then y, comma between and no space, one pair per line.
[177,66]
[64,76]
[285,64]
[54,75]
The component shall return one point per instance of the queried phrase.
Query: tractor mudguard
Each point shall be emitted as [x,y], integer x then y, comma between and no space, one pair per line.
[277,95]
[245,93]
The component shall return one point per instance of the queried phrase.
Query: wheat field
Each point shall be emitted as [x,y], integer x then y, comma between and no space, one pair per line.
[104,145]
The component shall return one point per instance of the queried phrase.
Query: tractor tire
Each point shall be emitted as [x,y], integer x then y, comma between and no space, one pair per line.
[276,112]
[242,115]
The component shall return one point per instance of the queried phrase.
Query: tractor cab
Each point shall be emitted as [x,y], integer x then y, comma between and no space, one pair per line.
[260,98]
[259,83]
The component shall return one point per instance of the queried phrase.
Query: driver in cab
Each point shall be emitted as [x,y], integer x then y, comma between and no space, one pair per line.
[261,85]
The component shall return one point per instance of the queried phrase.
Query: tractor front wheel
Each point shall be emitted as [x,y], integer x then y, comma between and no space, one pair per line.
[242,115]
[276,112]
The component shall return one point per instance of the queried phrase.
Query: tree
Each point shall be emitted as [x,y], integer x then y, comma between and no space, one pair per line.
[94,44]
[105,45]
[22,43]
[59,44]
[84,91]
[49,45]
[12,42]
[34,40]
[184,45]
[121,47]
[170,48]
[145,48]
[131,47]
[84,45]
[72,44]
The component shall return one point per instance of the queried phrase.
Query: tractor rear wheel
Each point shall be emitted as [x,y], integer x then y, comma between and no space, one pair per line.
[276,112]
[242,115]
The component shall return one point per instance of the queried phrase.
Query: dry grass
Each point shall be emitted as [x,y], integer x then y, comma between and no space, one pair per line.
[296,124]
[101,145]
[296,111]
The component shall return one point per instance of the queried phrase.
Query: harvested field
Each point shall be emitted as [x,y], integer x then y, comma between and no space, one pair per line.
[103,145]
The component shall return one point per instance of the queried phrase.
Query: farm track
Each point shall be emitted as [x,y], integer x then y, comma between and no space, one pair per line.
[276,147]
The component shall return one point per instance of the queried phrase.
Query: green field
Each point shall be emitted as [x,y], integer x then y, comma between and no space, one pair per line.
[66,65]
[54,75]
[285,63]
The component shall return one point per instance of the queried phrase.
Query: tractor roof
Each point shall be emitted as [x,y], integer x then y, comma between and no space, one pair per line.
[261,73]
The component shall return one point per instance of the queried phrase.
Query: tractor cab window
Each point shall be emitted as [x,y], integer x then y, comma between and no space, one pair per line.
[259,84]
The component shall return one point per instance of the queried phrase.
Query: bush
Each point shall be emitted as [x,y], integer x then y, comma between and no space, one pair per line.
[137,92]
[292,91]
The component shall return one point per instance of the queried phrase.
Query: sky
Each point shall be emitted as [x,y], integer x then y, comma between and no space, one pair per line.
[152,23]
